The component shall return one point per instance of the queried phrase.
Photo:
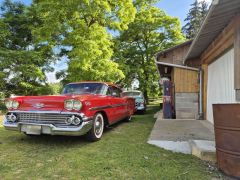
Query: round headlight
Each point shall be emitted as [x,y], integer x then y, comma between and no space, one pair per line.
[15,104]
[69,120]
[68,104]
[76,121]
[8,104]
[77,105]
[11,117]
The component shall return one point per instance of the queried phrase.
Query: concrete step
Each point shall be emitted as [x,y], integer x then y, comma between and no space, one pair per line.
[185,109]
[187,95]
[205,150]
[186,115]
[182,100]
[186,105]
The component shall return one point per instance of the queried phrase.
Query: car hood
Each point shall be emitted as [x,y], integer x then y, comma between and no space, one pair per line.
[139,99]
[48,103]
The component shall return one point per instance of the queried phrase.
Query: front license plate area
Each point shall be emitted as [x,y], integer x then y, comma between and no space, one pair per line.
[33,129]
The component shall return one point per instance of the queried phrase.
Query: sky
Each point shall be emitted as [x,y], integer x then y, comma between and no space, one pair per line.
[175,8]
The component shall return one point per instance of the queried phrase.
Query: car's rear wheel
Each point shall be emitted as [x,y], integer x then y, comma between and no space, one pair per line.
[128,119]
[96,131]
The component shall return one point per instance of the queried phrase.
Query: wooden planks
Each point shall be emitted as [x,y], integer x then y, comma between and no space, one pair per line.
[237,56]
[175,56]
[205,82]
[222,43]
[186,81]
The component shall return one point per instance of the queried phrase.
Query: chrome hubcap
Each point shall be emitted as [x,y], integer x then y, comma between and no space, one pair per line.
[98,126]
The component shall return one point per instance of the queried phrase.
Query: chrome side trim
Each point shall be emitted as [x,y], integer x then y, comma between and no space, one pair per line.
[106,107]
[99,108]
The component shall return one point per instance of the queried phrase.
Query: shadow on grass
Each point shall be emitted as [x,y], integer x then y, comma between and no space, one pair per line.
[137,117]
[70,141]
[14,137]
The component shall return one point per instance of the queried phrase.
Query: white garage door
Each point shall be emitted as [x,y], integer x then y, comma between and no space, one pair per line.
[220,87]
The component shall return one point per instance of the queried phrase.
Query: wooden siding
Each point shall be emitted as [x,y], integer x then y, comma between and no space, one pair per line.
[237,56]
[204,88]
[186,81]
[223,42]
[175,56]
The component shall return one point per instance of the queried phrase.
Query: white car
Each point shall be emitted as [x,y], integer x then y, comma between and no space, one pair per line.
[140,102]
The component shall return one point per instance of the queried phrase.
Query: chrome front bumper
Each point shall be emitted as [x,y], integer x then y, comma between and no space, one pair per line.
[140,108]
[50,129]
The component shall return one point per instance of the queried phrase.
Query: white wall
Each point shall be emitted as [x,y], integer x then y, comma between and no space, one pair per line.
[220,88]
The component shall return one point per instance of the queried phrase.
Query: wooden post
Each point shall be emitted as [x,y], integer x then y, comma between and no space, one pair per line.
[237,59]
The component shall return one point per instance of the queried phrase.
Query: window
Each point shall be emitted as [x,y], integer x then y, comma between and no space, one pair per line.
[85,88]
[113,91]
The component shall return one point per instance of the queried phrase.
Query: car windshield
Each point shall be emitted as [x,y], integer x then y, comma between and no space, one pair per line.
[131,94]
[85,88]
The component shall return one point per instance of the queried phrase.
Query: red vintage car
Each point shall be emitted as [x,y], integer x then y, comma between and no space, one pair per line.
[83,108]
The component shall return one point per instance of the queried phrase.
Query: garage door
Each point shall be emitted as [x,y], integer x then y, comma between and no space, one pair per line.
[220,87]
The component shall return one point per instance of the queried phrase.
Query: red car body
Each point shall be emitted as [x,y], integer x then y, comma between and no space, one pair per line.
[48,114]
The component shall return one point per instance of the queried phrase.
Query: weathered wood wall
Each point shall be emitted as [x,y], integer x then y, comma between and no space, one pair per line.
[237,58]
[204,89]
[219,46]
[186,81]
[175,56]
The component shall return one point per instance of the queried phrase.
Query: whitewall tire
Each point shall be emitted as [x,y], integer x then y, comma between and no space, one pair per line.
[96,131]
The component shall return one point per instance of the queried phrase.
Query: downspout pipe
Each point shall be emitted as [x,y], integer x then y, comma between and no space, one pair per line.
[200,111]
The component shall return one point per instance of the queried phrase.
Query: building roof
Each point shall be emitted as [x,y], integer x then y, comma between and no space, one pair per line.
[220,14]
[174,47]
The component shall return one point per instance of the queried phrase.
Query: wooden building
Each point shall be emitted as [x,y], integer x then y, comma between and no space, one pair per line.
[215,53]
[184,79]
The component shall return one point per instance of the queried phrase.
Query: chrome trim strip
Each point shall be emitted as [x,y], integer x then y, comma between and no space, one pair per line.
[35,111]
[99,108]
[106,107]
[118,105]
[82,115]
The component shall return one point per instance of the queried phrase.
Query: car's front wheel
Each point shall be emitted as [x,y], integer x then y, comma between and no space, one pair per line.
[96,131]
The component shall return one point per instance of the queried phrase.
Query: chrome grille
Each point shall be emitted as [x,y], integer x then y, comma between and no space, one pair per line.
[42,118]
[137,104]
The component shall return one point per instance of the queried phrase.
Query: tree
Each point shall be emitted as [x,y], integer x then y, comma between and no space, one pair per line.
[23,62]
[151,31]
[81,29]
[195,18]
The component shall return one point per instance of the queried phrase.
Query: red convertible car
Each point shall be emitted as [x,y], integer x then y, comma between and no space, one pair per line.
[83,108]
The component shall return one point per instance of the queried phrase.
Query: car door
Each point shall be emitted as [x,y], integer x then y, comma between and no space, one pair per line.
[118,104]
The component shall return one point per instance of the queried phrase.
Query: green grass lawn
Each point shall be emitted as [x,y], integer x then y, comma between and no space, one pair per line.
[121,154]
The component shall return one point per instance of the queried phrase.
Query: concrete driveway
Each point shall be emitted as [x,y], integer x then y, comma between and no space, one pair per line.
[186,136]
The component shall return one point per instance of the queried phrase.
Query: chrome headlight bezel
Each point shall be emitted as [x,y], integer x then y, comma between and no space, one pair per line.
[77,105]
[15,104]
[72,104]
[8,104]
[12,104]
[68,104]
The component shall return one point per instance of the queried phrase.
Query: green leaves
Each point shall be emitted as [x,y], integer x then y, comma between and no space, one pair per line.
[151,31]
[82,26]
[195,18]
[80,31]
[23,62]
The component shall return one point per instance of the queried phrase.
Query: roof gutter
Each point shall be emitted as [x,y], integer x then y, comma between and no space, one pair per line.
[213,5]
[177,66]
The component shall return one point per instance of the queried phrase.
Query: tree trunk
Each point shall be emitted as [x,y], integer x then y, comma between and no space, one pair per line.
[145,93]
